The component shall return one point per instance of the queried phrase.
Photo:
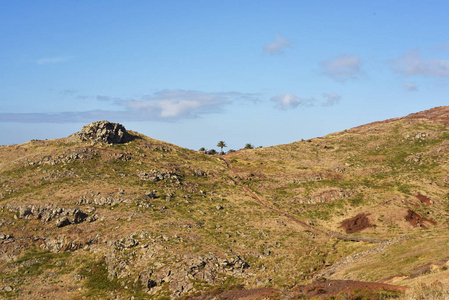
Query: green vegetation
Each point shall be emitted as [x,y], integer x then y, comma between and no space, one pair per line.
[179,216]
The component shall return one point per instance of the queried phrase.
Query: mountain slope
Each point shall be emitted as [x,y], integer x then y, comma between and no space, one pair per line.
[90,216]
[390,177]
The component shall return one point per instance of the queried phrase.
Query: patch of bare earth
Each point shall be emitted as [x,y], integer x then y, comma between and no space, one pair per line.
[240,294]
[424,200]
[356,223]
[417,221]
[329,288]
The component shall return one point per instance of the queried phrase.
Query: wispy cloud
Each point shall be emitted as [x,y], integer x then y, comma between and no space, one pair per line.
[410,86]
[290,101]
[331,99]
[165,105]
[178,104]
[411,64]
[442,46]
[277,46]
[61,117]
[342,68]
[52,60]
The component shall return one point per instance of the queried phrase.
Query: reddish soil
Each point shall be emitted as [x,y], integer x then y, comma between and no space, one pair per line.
[436,114]
[356,224]
[245,294]
[319,289]
[418,221]
[424,200]
[329,288]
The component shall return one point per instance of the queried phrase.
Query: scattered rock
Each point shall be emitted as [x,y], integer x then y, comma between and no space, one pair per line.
[92,218]
[103,200]
[151,194]
[48,212]
[327,196]
[155,176]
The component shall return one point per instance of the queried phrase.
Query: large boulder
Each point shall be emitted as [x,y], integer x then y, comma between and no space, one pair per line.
[103,131]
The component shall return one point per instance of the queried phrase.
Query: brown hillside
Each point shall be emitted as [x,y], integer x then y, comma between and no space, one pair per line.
[108,213]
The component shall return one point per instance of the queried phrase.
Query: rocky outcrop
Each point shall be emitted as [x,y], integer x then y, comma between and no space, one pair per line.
[103,200]
[65,242]
[156,266]
[104,132]
[327,196]
[68,156]
[155,176]
[48,212]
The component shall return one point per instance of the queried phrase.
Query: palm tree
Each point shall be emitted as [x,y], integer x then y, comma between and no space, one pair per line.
[221,144]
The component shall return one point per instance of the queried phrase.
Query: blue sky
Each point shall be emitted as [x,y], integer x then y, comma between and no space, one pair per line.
[196,72]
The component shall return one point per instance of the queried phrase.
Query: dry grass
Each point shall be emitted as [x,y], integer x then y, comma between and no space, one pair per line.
[264,195]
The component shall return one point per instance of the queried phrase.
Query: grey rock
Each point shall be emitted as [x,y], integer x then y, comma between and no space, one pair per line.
[24,211]
[103,131]
[151,283]
[92,218]
[61,222]
[79,216]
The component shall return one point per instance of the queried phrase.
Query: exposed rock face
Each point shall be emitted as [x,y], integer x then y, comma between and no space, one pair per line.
[48,212]
[327,196]
[103,131]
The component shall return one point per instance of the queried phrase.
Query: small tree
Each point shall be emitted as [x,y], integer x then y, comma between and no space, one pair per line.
[221,144]
[212,152]
[249,146]
[202,149]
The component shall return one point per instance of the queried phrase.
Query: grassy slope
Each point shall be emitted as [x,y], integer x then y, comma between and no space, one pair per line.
[265,195]
[385,166]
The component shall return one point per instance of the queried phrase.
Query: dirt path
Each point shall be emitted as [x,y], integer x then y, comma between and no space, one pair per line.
[283,213]
[259,200]
[343,263]
[328,233]
[357,257]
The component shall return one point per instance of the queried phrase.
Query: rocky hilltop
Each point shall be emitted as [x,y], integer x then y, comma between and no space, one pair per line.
[103,131]
[110,214]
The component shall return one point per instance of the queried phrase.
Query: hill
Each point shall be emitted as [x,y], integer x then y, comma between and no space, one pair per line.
[110,213]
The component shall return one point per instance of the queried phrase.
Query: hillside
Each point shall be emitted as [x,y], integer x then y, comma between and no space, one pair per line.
[110,213]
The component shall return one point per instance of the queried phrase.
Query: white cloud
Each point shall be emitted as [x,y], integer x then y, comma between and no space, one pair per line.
[342,68]
[178,104]
[331,99]
[51,60]
[277,46]
[411,64]
[290,101]
[165,105]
